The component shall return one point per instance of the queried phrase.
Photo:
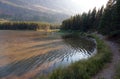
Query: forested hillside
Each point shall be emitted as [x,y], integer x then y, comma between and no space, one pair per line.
[105,20]
[20,10]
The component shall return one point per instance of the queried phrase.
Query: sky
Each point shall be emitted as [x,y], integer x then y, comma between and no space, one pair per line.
[85,5]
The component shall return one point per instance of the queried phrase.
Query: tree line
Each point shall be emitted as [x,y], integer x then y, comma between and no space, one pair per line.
[105,20]
[26,26]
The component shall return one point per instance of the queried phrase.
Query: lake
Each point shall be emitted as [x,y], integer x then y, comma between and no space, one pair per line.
[28,54]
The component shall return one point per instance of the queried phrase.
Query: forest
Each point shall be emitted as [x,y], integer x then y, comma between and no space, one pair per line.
[105,20]
[27,26]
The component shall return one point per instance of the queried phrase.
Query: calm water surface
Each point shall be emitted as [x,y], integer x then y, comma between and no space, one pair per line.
[27,54]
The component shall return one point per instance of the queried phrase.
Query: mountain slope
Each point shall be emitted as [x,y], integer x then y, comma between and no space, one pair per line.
[32,11]
[56,5]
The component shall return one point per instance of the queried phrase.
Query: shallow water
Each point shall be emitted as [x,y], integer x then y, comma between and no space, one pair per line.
[27,54]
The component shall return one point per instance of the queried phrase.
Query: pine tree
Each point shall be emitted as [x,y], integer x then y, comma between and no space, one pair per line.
[106,19]
[99,17]
[116,18]
[93,19]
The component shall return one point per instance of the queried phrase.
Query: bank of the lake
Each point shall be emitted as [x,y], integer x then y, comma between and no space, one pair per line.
[85,69]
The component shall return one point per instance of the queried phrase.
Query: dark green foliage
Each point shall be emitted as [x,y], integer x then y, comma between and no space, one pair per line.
[26,26]
[18,26]
[110,24]
[105,21]
[99,17]
[83,23]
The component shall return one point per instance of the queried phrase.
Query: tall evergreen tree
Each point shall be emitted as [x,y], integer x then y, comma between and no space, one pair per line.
[110,24]
[106,19]
[99,17]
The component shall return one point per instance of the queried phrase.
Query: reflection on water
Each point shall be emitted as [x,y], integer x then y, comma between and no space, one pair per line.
[26,54]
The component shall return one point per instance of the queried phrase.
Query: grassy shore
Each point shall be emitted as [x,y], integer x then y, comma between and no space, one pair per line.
[84,69]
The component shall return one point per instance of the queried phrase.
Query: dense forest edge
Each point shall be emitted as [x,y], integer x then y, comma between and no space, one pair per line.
[104,21]
[36,26]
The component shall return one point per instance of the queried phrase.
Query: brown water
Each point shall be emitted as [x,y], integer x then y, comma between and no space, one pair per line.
[26,54]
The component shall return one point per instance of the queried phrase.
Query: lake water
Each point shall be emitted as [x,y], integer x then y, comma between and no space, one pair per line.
[27,54]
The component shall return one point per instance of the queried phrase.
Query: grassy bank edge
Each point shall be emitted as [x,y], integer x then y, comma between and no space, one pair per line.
[85,69]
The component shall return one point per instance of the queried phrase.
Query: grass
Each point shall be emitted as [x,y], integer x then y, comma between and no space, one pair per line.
[85,69]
